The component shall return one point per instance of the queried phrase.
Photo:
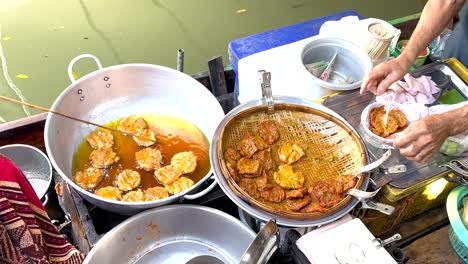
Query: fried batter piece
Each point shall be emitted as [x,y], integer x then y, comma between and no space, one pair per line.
[109,192]
[185,162]
[89,178]
[180,185]
[329,199]
[290,153]
[268,131]
[265,159]
[258,141]
[274,194]
[155,193]
[261,181]
[145,137]
[248,166]
[396,120]
[250,187]
[232,168]
[294,194]
[132,125]
[100,138]
[247,147]
[148,159]
[167,174]
[231,156]
[297,204]
[346,181]
[128,180]
[313,207]
[134,196]
[287,178]
[103,158]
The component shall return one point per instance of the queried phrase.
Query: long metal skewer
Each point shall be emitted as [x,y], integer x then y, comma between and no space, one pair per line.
[70,117]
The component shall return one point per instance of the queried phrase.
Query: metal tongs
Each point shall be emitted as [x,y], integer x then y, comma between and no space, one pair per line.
[326,73]
[460,169]
[265,81]
[364,196]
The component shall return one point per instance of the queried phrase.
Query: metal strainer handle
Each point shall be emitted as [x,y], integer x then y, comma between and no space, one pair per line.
[265,80]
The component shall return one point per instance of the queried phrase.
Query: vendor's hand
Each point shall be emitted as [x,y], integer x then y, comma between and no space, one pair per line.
[422,138]
[383,75]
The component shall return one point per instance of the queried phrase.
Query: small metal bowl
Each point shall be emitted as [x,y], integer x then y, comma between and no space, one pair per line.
[351,62]
[369,136]
[34,164]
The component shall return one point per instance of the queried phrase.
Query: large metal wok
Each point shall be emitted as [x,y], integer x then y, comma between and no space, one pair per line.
[122,90]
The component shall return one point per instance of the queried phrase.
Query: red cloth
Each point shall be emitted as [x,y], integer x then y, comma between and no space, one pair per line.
[26,233]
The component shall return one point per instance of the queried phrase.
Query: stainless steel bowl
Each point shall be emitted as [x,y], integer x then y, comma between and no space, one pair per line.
[34,164]
[351,62]
[174,234]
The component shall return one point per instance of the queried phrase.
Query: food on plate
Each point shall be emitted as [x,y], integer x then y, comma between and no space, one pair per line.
[232,168]
[109,192]
[290,153]
[156,193]
[249,167]
[103,157]
[179,185]
[185,162]
[273,193]
[128,180]
[287,178]
[148,159]
[395,123]
[167,174]
[132,124]
[268,131]
[134,196]
[258,141]
[145,137]
[100,138]
[124,167]
[89,178]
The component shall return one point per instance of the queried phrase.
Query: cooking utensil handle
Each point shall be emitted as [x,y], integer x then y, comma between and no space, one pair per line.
[374,164]
[200,194]
[46,199]
[76,59]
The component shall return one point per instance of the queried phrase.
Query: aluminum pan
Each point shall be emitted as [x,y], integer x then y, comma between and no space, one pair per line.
[260,214]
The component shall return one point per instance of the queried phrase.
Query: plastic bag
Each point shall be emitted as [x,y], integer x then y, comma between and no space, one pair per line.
[437,46]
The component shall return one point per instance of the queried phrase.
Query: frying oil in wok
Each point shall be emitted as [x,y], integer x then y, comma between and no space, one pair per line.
[173,135]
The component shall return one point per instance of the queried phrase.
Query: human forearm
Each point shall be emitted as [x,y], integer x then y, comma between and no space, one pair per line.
[435,17]
[457,122]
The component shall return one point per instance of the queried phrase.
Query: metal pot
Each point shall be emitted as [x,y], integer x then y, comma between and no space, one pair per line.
[174,234]
[122,90]
[255,212]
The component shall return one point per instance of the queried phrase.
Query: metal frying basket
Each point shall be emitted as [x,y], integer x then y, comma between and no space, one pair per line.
[332,147]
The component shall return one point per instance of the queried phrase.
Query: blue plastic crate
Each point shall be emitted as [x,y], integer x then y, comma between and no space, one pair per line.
[243,47]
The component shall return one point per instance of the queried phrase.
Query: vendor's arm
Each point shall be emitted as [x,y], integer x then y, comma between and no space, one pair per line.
[424,137]
[435,17]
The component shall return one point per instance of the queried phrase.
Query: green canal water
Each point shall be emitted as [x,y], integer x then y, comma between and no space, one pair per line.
[40,37]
